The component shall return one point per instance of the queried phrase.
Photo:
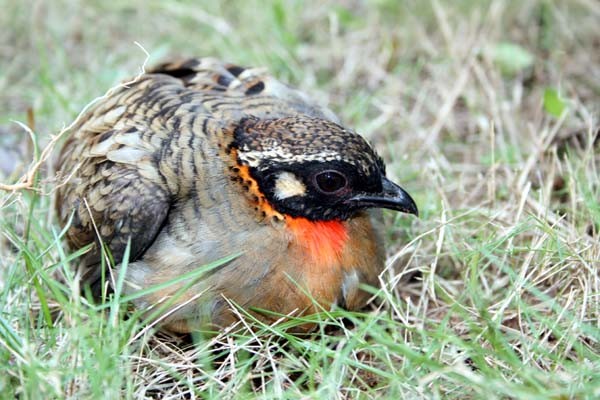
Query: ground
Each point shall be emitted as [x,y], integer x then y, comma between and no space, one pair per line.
[485,111]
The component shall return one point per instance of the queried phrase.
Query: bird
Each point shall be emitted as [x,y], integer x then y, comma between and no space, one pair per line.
[197,160]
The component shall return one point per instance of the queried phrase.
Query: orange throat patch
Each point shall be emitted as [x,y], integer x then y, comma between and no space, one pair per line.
[323,240]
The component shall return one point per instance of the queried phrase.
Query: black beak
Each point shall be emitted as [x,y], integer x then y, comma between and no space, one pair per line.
[392,197]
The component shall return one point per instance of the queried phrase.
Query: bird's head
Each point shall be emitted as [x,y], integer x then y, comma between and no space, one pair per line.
[315,169]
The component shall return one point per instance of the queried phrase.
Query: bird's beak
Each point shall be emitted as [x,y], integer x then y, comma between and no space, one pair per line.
[392,197]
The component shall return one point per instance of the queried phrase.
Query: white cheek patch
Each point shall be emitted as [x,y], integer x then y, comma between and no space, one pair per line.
[288,185]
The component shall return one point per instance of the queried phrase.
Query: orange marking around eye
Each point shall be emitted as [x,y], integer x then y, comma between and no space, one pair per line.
[323,240]
[261,202]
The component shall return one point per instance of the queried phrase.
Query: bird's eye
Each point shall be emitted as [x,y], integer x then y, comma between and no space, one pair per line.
[330,181]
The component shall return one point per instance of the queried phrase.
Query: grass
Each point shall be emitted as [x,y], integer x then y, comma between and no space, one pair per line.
[486,111]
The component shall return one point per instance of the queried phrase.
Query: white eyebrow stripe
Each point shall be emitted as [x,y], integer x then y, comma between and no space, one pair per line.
[279,154]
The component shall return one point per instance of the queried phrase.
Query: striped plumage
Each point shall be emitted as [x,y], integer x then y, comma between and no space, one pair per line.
[197,160]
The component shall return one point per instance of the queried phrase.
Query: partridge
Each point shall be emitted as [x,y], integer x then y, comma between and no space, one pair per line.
[197,160]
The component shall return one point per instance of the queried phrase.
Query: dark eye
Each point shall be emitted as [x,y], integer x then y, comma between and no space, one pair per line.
[330,181]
